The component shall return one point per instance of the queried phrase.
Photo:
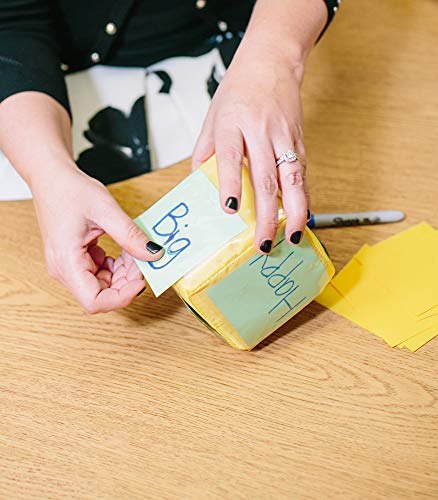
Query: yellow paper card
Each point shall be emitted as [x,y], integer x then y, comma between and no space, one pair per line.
[419,340]
[407,264]
[365,302]
[333,300]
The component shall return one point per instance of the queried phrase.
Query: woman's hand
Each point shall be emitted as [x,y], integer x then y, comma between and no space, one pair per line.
[73,211]
[256,112]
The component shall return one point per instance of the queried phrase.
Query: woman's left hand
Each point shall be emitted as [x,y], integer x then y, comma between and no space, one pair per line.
[256,112]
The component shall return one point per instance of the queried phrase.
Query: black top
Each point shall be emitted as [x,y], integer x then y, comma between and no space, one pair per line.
[40,40]
[152,33]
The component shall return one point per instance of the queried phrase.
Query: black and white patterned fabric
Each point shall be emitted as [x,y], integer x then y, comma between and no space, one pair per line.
[129,121]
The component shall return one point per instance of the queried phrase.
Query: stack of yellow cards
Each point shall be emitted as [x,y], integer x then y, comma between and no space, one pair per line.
[391,289]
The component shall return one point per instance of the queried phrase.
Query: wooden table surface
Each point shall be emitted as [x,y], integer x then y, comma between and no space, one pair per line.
[146,403]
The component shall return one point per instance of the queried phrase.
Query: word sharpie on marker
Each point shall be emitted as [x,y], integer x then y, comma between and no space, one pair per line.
[355,218]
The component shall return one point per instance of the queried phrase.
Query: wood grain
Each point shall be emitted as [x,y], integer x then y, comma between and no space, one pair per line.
[146,403]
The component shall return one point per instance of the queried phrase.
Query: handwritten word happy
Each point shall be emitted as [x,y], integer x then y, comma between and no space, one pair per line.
[279,278]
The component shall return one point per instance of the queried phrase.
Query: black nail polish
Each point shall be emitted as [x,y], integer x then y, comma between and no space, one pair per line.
[308,214]
[232,203]
[153,247]
[266,246]
[296,237]
[140,292]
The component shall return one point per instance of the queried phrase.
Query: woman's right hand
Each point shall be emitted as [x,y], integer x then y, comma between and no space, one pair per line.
[73,211]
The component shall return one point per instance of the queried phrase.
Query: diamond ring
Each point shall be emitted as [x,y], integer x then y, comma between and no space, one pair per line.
[288,156]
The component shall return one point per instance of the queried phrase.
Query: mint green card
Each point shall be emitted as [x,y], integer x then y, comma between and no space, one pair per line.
[190,224]
[265,291]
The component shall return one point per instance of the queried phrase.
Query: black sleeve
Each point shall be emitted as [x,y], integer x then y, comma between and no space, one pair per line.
[29,52]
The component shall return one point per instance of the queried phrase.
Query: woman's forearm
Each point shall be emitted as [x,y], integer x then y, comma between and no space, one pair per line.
[285,30]
[35,135]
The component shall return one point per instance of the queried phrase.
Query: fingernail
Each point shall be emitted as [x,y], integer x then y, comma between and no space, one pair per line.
[296,237]
[308,214]
[141,291]
[232,203]
[266,246]
[153,247]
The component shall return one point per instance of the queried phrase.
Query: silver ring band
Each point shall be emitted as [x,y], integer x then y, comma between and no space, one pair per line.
[288,156]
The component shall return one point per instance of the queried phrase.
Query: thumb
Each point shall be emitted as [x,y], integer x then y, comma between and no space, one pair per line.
[128,235]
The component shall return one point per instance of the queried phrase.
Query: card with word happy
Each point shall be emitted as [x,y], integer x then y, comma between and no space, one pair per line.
[212,264]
